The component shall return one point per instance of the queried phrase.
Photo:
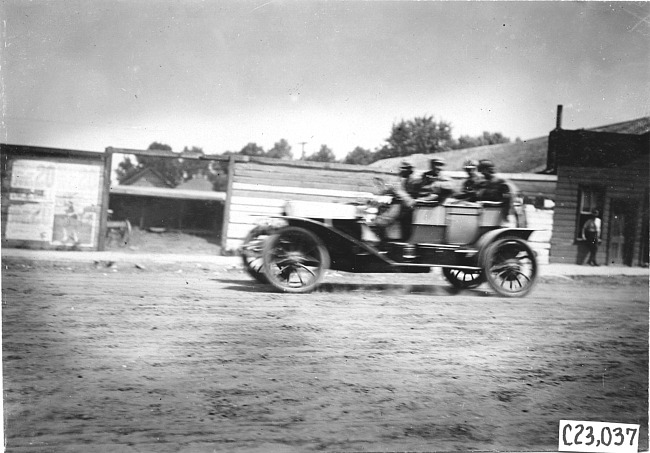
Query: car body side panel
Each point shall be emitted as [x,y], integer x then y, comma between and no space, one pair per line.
[350,254]
[346,252]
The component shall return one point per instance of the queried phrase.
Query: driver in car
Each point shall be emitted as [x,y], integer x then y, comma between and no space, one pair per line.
[432,187]
[435,187]
[401,210]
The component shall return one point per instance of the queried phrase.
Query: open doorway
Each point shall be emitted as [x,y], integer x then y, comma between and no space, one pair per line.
[621,232]
[174,201]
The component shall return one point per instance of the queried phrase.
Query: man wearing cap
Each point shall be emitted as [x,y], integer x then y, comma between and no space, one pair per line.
[409,186]
[435,186]
[402,208]
[493,188]
[470,185]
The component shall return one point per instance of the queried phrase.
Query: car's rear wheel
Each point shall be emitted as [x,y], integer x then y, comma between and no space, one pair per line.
[295,260]
[251,252]
[463,278]
[510,266]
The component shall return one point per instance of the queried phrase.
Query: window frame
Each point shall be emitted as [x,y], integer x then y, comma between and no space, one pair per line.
[590,197]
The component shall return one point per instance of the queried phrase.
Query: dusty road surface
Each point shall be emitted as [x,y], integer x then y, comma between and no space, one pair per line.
[187,358]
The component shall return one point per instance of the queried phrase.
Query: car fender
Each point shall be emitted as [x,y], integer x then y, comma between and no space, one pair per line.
[488,238]
[338,243]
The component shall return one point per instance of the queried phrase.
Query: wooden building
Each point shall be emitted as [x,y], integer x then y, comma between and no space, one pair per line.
[605,171]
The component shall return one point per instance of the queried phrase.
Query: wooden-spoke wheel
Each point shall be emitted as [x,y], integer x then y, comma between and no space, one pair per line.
[251,252]
[463,278]
[295,260]
[510,267]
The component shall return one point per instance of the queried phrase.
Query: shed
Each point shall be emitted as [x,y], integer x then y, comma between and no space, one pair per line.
[149,200]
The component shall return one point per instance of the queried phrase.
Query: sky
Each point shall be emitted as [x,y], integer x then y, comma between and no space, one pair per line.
[220,74]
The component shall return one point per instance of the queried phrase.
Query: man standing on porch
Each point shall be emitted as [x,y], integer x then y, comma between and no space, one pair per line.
[591,234]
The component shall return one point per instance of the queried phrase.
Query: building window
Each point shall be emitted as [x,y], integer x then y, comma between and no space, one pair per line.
[589,198]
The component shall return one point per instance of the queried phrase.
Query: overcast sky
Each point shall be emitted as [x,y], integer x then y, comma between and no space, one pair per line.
[219,74]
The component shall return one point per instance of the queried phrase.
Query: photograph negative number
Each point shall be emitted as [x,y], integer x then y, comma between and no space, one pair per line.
[588,436]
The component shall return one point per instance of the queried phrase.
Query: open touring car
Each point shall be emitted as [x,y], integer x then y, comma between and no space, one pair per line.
[467,240]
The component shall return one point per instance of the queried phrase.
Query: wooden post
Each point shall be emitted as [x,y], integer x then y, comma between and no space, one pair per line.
[106,190]
[226,209]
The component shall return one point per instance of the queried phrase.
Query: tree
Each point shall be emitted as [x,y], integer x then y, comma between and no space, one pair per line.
[125,169]
[280,150]
[323,155]
[487,138]
[192,167]
[175,169]
[466,141]
[160,146]
[169,168]
[252,149]
[359,156]
[494,138]
[385,152]
[218,175]
[421,135]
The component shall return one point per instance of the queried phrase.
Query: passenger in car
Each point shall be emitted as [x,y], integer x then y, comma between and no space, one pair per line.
[434,186]
[493,188]
[469,189]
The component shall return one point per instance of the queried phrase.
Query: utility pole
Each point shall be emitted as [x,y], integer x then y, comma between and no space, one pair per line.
[303,149]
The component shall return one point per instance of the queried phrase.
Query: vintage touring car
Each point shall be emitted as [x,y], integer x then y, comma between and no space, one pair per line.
[467,240]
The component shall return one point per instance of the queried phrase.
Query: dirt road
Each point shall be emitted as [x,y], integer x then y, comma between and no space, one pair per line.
[200,360]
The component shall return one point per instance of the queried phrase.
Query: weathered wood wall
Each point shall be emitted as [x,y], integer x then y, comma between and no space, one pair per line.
[541,220]
[629,182]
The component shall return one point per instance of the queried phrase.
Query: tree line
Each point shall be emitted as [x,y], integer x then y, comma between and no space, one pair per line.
[420,135]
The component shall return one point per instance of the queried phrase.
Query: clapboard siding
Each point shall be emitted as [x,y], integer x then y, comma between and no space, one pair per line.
[330,183]
[536,188]
[629,183]
[284,197]
[540,220]
[248,203]
[295,189]
[304,175]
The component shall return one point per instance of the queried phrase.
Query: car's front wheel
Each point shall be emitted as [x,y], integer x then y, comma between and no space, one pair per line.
[295,260]
[510,266]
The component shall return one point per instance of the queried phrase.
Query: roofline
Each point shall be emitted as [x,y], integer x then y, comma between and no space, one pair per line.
[46,150]
[139,173]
